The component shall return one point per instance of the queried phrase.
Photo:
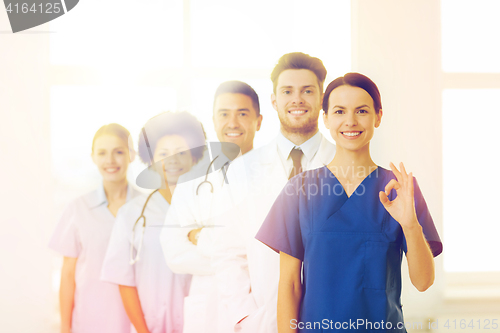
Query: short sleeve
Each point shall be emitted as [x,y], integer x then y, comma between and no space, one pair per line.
[281,229]
[425,219]
[66,237]
[116,267]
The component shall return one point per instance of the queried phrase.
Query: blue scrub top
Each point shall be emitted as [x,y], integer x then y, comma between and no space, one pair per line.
[351,249]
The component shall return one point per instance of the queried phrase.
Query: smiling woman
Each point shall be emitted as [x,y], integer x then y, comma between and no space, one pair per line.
[173,142]
[111,153]
[86,304]
[355,113]
[153,296]
[354,238]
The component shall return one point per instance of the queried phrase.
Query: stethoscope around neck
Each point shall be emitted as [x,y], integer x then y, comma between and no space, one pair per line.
[143,229]
[143,217]
[206,181]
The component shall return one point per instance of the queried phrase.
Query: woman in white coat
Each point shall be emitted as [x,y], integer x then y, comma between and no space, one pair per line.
[88,305]
[152,294]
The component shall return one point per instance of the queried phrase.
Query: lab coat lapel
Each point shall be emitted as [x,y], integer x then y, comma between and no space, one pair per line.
[325,154]
[268,183]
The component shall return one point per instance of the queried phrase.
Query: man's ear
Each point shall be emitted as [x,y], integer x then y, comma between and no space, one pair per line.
[325,120]
[273,101]
[259,121]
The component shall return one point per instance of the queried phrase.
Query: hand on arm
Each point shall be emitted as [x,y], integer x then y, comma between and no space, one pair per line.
[181,255]
[402,209]
[289,292]
[193,235]
[132,304]
[67,293]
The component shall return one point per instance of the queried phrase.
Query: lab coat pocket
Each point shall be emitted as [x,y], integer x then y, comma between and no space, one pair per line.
[195,313]
[378,272]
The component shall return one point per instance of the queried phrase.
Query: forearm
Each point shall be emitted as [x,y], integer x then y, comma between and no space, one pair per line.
[419,257]
[132,304]
[66,299]
[289,296]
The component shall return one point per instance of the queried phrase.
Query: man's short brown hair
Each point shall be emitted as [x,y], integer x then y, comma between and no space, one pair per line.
[299,60]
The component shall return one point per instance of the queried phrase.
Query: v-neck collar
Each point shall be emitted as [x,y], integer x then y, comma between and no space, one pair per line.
[370,175]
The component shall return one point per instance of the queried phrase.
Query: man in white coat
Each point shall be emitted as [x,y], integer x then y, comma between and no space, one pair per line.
[197,203]
[247,270]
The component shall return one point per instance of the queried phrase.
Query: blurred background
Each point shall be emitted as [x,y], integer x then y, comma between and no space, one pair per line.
[435,62]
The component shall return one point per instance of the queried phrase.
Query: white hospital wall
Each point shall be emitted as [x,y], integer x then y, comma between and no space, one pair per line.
[397,43]
[26,197]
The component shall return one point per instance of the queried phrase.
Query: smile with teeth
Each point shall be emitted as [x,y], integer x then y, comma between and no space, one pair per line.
[297,112]
[233,135]
[351,134]
[111,170]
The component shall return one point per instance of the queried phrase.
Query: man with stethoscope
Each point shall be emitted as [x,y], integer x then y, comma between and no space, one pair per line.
[191,223]
[247,270]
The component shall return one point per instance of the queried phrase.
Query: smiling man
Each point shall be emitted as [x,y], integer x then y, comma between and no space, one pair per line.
[236,114]
[247,270]
[197,204]
[297,97]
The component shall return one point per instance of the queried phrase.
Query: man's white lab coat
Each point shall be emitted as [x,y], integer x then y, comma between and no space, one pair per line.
[247,270]
[190,211]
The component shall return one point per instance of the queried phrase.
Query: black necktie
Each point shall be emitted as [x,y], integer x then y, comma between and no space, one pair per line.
[296,155]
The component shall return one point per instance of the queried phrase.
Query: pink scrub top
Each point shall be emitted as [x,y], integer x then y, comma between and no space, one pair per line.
[83,232]
[161,292]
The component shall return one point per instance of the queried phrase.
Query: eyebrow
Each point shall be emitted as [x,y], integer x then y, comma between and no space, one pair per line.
[301,87]
[242,109]
[358,107]
[103,149]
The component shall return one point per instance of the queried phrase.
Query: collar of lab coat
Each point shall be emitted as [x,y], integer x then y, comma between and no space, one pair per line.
[323,155]
[98,196]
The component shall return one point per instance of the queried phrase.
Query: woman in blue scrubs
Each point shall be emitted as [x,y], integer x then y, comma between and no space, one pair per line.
[346,225]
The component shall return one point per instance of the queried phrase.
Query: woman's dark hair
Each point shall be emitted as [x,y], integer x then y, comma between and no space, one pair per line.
[299,60]
[116,130]
[171,123]
[354,80]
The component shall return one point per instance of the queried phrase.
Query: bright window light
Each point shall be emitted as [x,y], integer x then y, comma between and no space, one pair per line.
[246,37]
[78,112]
[129,34]
[254,34]
[470,35]
[470,181]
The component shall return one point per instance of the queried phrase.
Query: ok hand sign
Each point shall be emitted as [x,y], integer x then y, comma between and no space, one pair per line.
[402,209]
